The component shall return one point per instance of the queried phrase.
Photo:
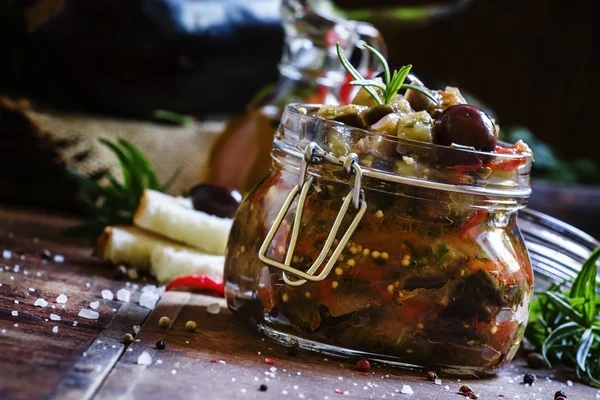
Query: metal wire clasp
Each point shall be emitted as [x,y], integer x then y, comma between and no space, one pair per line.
[314,154]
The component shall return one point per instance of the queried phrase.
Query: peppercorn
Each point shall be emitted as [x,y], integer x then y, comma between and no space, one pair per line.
[119,272]
[161,344]
[127,338]
[560,394]
[46,255]
[164,322]
[529,379]
[363,365]
[293,351]
[191,326]
[464,389]
[535,360]
[263,388]
[432,376]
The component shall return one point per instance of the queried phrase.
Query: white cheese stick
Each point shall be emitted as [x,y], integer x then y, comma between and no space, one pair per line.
[167,216]
[168,263]
[130,245]
[164,258]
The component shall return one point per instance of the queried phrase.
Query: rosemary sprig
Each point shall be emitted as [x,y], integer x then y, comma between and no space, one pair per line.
[175,118]
[392,83]
[115,202]
[565,325]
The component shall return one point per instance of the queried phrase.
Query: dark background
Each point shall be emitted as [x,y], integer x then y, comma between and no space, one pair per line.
[530,61]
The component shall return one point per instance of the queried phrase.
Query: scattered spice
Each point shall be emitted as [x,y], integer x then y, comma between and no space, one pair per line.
[263,388]
[529,379]
[535,360]
[432,376]
[119,272]
[269,361]
[191,326]
[464,389]
[198,282]
[164,322]
[46,255]
[363,365]
[292,351]
[127,338]
[213,361]
[161,344]
[560,395]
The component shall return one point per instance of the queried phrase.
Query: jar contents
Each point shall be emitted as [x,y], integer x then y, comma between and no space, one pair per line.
[434,274]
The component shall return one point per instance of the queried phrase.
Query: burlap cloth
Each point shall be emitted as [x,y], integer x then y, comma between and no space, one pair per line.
[41,143]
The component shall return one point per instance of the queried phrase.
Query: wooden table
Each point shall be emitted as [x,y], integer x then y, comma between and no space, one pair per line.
[221,360]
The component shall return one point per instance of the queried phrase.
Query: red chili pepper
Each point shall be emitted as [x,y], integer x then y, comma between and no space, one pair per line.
[198,282]
[269,361]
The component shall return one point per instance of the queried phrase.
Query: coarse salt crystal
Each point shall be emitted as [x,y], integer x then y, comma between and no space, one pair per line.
[15,313]
[123,295]
[7,254]
[438,381]
[31,289]
[12,278]
[61,299]
[136,329]
[59,259]
[3,331]
[55,317]
[38,273]
[55,329]
[87,284]
[94,304]
[88,314]
[16,301]
[107,294]
[406,390]
[159,362]
[144,359]
[17,268]
[149,288]
[569,383]
[447,387]
[173,371]
[214,308]
[148,299]
[75,323]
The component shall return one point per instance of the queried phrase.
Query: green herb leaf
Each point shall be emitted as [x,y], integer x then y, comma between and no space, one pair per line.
[561,302]
[114,202]
[564,331]
[421,90]
[173,117]
[368,82]
[585,285]
[382,60]
[354,73]
[584,348]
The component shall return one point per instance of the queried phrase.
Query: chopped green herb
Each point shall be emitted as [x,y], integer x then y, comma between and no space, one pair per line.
[392,82]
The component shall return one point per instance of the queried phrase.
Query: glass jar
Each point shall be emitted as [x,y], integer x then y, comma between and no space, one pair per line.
[366,245]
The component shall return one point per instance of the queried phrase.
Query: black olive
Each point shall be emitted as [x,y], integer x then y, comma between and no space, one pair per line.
[263,388]
[559,394]
[373,114]
[161,344]
[529,379]
[218,200]
[466,125]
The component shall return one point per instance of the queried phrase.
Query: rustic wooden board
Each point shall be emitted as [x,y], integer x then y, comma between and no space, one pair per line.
[34,360]
[184,369]
[36,363]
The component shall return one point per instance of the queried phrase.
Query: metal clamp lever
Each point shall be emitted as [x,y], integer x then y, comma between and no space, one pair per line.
[313,153]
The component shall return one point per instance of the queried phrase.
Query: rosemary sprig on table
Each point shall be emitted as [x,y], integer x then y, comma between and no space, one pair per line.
[115,202]
[392,83]
[565,325]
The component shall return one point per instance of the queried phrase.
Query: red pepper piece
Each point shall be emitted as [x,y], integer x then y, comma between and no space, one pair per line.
[198,282]
[269,361]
